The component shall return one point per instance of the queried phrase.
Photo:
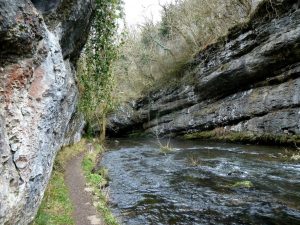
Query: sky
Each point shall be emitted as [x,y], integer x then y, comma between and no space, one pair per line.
[137,10]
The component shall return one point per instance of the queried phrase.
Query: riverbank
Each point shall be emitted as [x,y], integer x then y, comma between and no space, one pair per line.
[75,192]
[223,135]
[97,180]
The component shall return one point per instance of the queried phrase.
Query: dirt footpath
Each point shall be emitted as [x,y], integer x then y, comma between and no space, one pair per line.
[85,213]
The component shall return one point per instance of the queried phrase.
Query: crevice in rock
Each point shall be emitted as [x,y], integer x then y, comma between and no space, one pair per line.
[244,119]
[46,6]
[16,167]
[31,95]
[212,125]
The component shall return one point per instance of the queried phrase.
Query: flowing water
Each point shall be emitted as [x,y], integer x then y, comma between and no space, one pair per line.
[202,183]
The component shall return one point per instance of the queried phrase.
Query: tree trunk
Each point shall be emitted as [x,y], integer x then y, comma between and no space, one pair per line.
[103,129]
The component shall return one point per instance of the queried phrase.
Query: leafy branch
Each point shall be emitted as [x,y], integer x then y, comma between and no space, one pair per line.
[95,69]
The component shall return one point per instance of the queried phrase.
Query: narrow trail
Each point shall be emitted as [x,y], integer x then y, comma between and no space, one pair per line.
[85,213]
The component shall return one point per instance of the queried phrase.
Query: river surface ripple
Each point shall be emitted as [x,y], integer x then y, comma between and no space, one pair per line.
[201,183]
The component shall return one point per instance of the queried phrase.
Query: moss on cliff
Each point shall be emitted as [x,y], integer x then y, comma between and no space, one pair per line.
[220,134]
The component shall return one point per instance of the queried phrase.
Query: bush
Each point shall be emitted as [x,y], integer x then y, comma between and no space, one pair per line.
[154,53]
[95,80]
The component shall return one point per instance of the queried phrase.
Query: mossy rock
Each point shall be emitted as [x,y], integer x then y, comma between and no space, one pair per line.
[243,184]
[220,134]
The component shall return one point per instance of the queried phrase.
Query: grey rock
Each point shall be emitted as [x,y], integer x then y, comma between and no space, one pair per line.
[248,81]
[38,97]
[46,6]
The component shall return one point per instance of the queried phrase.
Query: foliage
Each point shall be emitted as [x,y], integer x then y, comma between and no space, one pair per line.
[56,207]
[164,148]
[154,54]
[243,184]
[296,157]
[95,73]
[291,154]
[98,180]
[193,160]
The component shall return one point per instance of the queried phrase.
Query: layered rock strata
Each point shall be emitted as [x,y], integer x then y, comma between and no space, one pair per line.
[248,81]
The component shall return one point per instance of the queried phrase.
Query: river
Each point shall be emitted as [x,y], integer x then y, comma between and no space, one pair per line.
[201,183]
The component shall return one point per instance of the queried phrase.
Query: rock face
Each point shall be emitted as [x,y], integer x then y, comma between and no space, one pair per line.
[249,81]
[40,42]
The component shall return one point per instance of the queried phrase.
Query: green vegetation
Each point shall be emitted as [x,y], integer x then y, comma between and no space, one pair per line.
[95,66]
[193,160]
[296,156]
[156,53]
[290,155]
[243,184]
[56,207]
[97,180]
[220,134]
[164,148]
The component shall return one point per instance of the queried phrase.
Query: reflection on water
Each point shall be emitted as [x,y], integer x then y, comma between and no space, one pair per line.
[201,183]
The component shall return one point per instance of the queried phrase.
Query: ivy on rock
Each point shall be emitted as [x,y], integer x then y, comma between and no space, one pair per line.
[95,68]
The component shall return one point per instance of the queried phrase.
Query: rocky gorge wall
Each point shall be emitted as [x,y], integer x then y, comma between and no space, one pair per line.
[247,82]
[40,42]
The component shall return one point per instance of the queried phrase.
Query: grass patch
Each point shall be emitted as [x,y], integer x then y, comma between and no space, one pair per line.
[97,180]
[56,207]
[165,148]
[193,160]
[296,156]
[243,184]
[291,155]
[220,134]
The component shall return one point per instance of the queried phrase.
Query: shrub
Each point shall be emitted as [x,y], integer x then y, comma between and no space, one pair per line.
[95,66]
[154,53]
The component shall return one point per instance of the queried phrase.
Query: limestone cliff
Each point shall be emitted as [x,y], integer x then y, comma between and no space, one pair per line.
[40,41]
[248,81]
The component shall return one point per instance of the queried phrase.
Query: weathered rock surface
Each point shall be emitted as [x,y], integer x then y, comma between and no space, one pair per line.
[248,81]
[38,53]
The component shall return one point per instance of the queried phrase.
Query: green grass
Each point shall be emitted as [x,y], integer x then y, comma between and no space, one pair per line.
[56,207]
[243,184]
[296,156]
[97,180]
[165,149]
[193,160]
[291,154]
